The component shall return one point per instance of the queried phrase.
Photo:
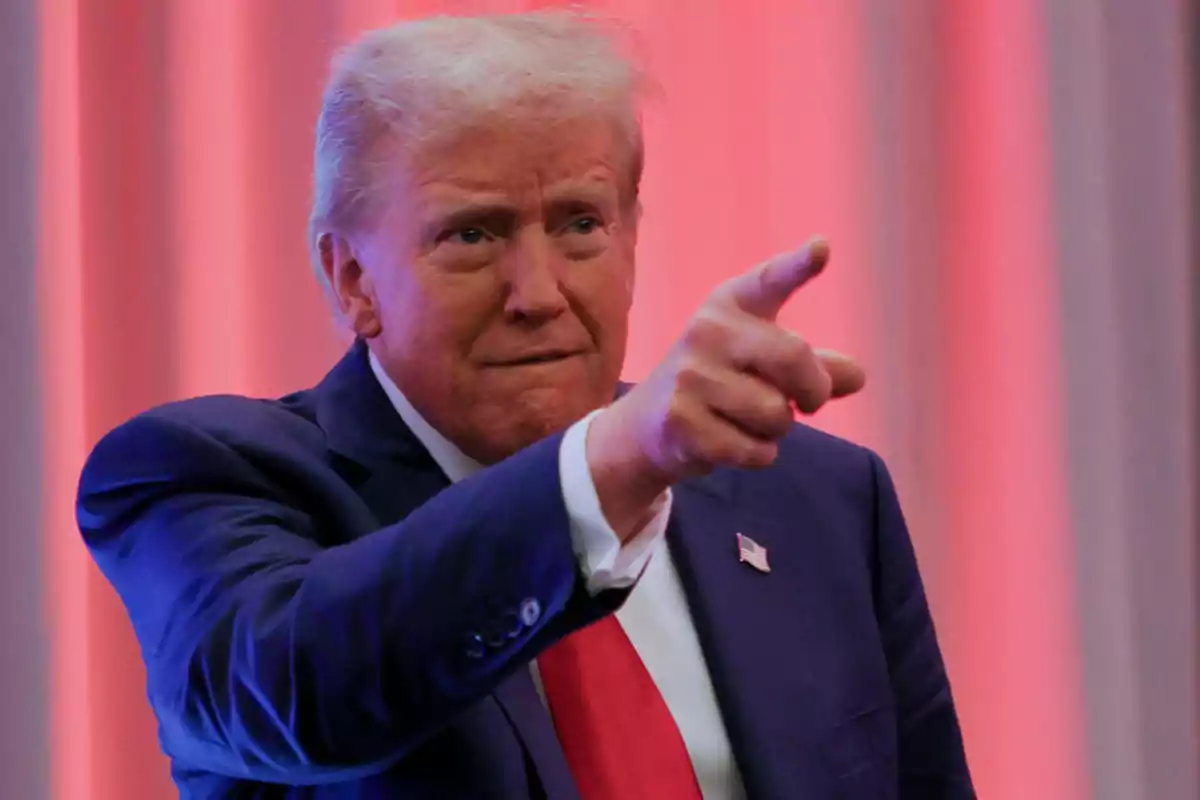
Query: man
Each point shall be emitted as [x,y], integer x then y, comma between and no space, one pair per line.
[468,564]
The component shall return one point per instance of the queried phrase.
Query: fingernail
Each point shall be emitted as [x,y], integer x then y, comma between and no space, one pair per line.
[818,249]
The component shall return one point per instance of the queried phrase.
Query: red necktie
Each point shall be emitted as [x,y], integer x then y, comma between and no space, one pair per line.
[618,735]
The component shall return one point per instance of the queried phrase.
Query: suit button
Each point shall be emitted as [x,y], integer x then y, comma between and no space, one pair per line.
[475,646]
[497,636]
[512,625]
[531,612]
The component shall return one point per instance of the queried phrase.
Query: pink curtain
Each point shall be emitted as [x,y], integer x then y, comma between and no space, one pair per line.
[174,176]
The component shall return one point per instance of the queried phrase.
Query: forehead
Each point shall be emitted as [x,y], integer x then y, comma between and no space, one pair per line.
[507,155]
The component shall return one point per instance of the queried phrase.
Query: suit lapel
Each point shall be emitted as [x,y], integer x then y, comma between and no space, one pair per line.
[751,630]
[394,475]
[358,419]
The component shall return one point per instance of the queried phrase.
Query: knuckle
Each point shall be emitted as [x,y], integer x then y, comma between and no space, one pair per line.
[674,435]
[777,412]
[679,425]
[705,330]
[796,349]
[757,454]
[722,452]
[675,416]
[775,405]
[785,359]
[768,454]
[808,406]
[740,451]
[690,376]
[725,292]
[812,398]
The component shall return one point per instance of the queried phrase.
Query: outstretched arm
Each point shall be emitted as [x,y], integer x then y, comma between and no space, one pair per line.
[275,659]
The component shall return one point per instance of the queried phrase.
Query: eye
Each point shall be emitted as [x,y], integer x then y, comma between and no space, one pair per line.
[584,225]
[465,236]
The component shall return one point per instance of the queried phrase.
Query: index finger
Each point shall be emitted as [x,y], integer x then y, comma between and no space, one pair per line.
[763,290]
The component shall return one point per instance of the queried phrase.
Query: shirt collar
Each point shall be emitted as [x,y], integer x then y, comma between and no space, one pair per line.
[454,462]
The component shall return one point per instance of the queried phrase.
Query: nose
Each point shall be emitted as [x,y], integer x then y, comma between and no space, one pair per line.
[532,278]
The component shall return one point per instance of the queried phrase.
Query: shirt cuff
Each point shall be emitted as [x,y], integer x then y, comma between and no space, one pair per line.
[603,560]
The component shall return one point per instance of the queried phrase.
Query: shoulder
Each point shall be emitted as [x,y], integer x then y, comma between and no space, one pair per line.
[203,434]
[817,476]
[814,456]
[806,445]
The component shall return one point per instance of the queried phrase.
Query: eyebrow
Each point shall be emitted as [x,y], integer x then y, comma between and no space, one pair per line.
[446,212]
[446,216]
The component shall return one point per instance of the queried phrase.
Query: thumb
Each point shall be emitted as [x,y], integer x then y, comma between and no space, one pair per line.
[846,376]
[763,290]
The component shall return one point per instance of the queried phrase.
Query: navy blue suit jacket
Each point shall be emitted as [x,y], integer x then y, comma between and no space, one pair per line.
[322,615]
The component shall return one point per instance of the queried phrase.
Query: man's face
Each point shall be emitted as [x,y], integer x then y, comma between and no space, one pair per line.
[502,277]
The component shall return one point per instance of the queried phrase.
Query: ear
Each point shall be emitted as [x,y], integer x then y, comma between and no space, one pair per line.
[351,288]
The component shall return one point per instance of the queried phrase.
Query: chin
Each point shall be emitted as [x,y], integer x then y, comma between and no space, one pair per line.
[509,427]
[550,413]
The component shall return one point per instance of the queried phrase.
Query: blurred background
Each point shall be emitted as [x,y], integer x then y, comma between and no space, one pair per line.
[1007,186]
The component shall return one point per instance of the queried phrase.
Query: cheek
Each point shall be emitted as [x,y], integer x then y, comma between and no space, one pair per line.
[616,278]
[603,298]
[435,318]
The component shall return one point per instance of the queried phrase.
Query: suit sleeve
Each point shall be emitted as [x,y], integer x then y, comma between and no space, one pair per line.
[932,764]
[272,658]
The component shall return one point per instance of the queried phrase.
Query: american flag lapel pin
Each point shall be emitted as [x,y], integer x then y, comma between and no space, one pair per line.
[752,553]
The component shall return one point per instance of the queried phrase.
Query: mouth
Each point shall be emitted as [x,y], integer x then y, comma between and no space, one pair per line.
[534,359]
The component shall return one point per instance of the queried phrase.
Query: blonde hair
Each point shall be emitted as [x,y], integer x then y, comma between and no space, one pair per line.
[422,80]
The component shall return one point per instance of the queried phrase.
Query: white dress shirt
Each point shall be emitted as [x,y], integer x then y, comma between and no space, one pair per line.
[655,617]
